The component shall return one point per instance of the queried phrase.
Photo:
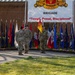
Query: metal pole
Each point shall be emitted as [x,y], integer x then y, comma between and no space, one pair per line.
[25,12]
[74,15]
[74,21]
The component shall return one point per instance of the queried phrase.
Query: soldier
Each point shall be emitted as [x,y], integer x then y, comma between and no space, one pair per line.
[20,39]
[27,38]
[43,40]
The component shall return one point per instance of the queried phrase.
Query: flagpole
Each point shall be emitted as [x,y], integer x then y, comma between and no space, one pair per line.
[42,22]
[25,13]
[74,16]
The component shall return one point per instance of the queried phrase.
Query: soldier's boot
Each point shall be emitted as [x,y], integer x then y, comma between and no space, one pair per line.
[42,51]
[26,51]
[20,53]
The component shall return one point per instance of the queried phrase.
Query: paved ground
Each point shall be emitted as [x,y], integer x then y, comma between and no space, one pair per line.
[11,55]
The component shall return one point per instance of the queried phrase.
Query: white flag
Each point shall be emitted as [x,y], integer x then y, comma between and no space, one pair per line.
[16,30]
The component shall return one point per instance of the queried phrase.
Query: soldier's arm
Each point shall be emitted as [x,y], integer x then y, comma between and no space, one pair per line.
[30,35]
[39,35]
[24,33]
[16,35]
[46,35]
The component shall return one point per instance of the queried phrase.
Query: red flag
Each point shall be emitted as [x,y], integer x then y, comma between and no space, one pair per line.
[49,40]
[22,26]
[50,1]
[52,39]
[49,43]
[10,34]
[52,44]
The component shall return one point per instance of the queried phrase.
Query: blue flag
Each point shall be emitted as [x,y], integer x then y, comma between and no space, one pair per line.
[66,39]
[55,37]
[61,38]
[30,44]
[49,38]
[2,35]
[72,37]
[6,37]
[49,29]
[13,35]
[2,42]
[74,42]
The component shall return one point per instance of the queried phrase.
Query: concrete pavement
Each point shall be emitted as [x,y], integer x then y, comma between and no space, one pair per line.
[11,55]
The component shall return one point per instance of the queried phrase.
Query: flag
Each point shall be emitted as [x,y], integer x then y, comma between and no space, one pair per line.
[22,26]
[52,39]
[55,37]
[42,22]
[2,35]
[13,35]
[31,43]
[74,42]
[49,38]
[72,37]
[40,26]
[61,38]
[10,34]
[16,30]
[66,38]
[36,41]
[2,42]
[6,37]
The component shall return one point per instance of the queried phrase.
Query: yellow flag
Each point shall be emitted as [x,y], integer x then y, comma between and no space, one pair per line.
[40,26]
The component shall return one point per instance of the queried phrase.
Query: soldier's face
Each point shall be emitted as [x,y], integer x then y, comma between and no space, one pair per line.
[43,28]
[26,27]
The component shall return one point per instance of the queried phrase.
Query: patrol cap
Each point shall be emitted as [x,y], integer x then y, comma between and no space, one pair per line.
[43,26]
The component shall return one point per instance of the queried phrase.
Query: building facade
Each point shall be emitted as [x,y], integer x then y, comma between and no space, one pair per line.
[18,11]
[12,10]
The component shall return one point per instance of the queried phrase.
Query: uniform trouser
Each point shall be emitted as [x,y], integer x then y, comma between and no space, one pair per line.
[26,45]
[20,48]
[43,44]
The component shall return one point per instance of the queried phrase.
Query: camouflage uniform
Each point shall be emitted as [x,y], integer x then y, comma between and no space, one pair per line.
[27,39]
[43,40]
[20,40]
